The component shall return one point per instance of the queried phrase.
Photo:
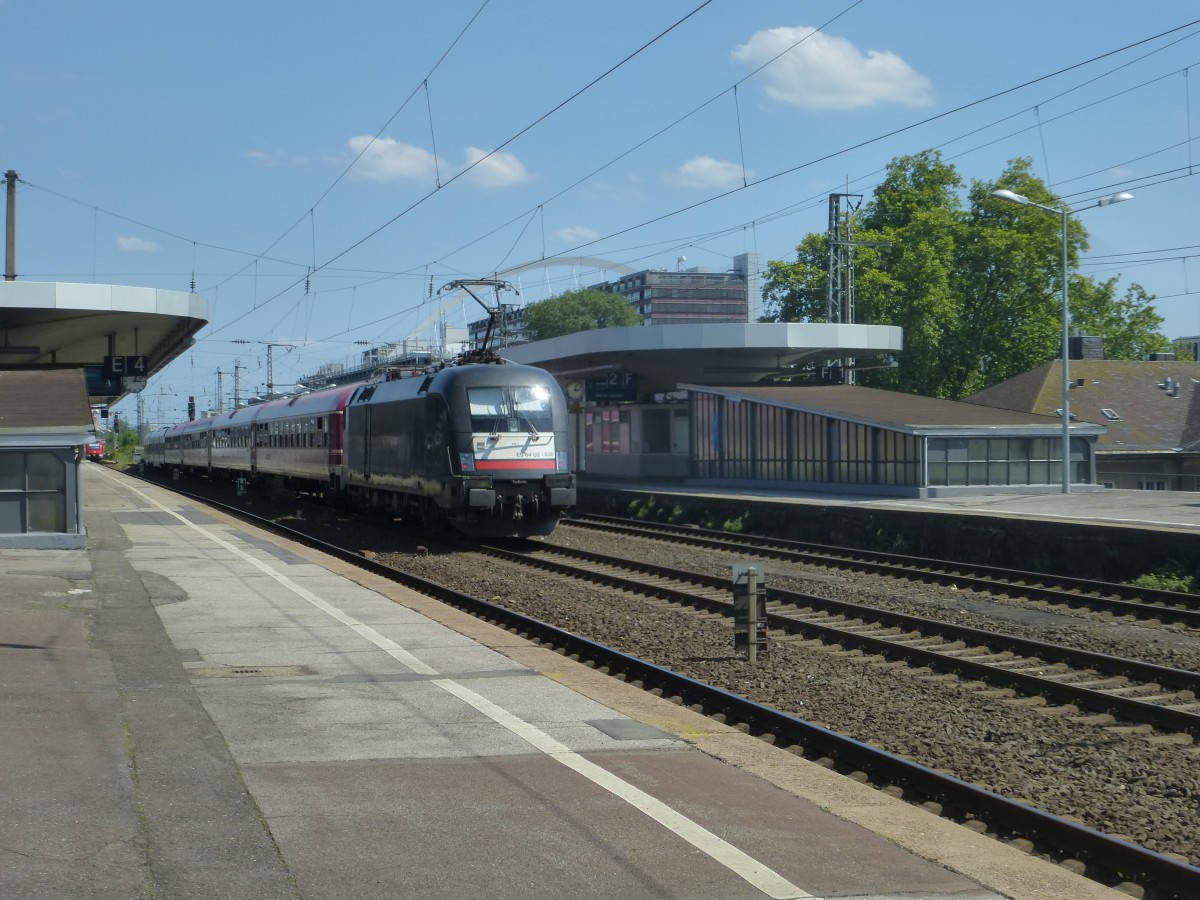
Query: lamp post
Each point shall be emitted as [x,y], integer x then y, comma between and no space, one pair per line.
[1066,317]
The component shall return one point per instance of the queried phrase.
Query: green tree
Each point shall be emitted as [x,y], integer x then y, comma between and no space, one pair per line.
[1129,323]
[121,446]
[1183,350]
[128,439]
[578,311]
[975,286]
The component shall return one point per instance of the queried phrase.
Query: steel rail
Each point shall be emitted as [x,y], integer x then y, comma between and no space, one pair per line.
[1110,860]
[1119,599]
[1130,708]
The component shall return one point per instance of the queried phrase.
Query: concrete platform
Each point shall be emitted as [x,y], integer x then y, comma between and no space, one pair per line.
[1156,510]
[193,708]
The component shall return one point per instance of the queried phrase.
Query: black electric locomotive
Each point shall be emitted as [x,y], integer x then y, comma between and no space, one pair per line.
[481,446]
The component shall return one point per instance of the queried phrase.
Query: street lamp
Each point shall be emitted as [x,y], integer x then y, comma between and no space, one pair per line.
[1066,316]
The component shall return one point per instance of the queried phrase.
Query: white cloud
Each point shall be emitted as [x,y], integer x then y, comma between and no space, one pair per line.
[384,159]
[576,234]
[704,171]
[136,245]
[824,72]
[498,170]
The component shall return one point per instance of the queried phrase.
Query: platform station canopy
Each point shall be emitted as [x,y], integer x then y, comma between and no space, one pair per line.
[665,356]
[117,334]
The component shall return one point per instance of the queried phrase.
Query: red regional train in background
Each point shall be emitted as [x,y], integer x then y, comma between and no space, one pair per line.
[480,447]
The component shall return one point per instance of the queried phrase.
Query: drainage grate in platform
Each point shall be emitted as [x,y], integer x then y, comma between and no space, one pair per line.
[629,730]
[250,671]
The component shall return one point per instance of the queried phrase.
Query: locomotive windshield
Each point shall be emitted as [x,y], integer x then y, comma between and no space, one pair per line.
[524,408]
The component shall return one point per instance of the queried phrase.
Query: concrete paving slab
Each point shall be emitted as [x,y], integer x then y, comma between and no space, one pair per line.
[374,756]
[68,827]
[551,834]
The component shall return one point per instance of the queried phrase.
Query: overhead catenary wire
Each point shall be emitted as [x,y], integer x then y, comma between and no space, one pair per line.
[341,175]
[310,269]
[763,218]
[876,139]
[661,131]
[576,248]
[483,158]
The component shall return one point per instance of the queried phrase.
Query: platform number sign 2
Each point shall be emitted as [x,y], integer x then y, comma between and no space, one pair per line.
[614,386]
[126,367]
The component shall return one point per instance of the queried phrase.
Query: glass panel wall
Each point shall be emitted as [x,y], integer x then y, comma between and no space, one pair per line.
[1004,461]
[897,458]
[33,491]
[754,441]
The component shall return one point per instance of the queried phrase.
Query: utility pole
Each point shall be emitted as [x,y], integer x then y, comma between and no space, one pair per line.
[270,361]
[237,384]
[839,293]
[220,401]
[10,250]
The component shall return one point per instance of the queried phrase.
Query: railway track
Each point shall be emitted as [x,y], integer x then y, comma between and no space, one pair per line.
[1134,691]
[1105,858]
[1141,603]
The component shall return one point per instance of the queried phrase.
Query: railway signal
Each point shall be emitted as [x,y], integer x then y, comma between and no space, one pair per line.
[749,611]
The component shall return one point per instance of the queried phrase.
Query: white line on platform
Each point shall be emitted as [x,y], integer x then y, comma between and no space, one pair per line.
[744,866]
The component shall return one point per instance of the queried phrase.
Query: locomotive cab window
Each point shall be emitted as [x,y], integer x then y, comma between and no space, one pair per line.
[524,408]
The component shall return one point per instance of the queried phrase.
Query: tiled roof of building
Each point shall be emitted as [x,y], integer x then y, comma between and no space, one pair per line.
[1156,403]
[887,407]
[44,400]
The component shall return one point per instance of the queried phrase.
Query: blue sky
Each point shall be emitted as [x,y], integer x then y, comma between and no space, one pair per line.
[318,168]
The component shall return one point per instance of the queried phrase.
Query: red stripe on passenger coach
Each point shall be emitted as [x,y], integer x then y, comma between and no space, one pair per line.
[482,464]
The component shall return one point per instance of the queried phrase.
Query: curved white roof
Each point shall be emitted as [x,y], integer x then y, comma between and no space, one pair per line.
[63,323]
[667,355]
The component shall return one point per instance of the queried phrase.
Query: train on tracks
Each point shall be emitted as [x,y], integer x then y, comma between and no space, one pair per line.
[478,447]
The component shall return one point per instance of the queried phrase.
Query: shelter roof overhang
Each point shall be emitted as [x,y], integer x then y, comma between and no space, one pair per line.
[44,408]
[69,324]
[906,413]
[665,356]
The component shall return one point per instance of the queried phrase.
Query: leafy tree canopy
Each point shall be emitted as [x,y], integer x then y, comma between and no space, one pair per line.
[578,311]
[974,281]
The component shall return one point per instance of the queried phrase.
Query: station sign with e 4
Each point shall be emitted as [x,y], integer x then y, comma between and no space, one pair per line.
[126,367]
